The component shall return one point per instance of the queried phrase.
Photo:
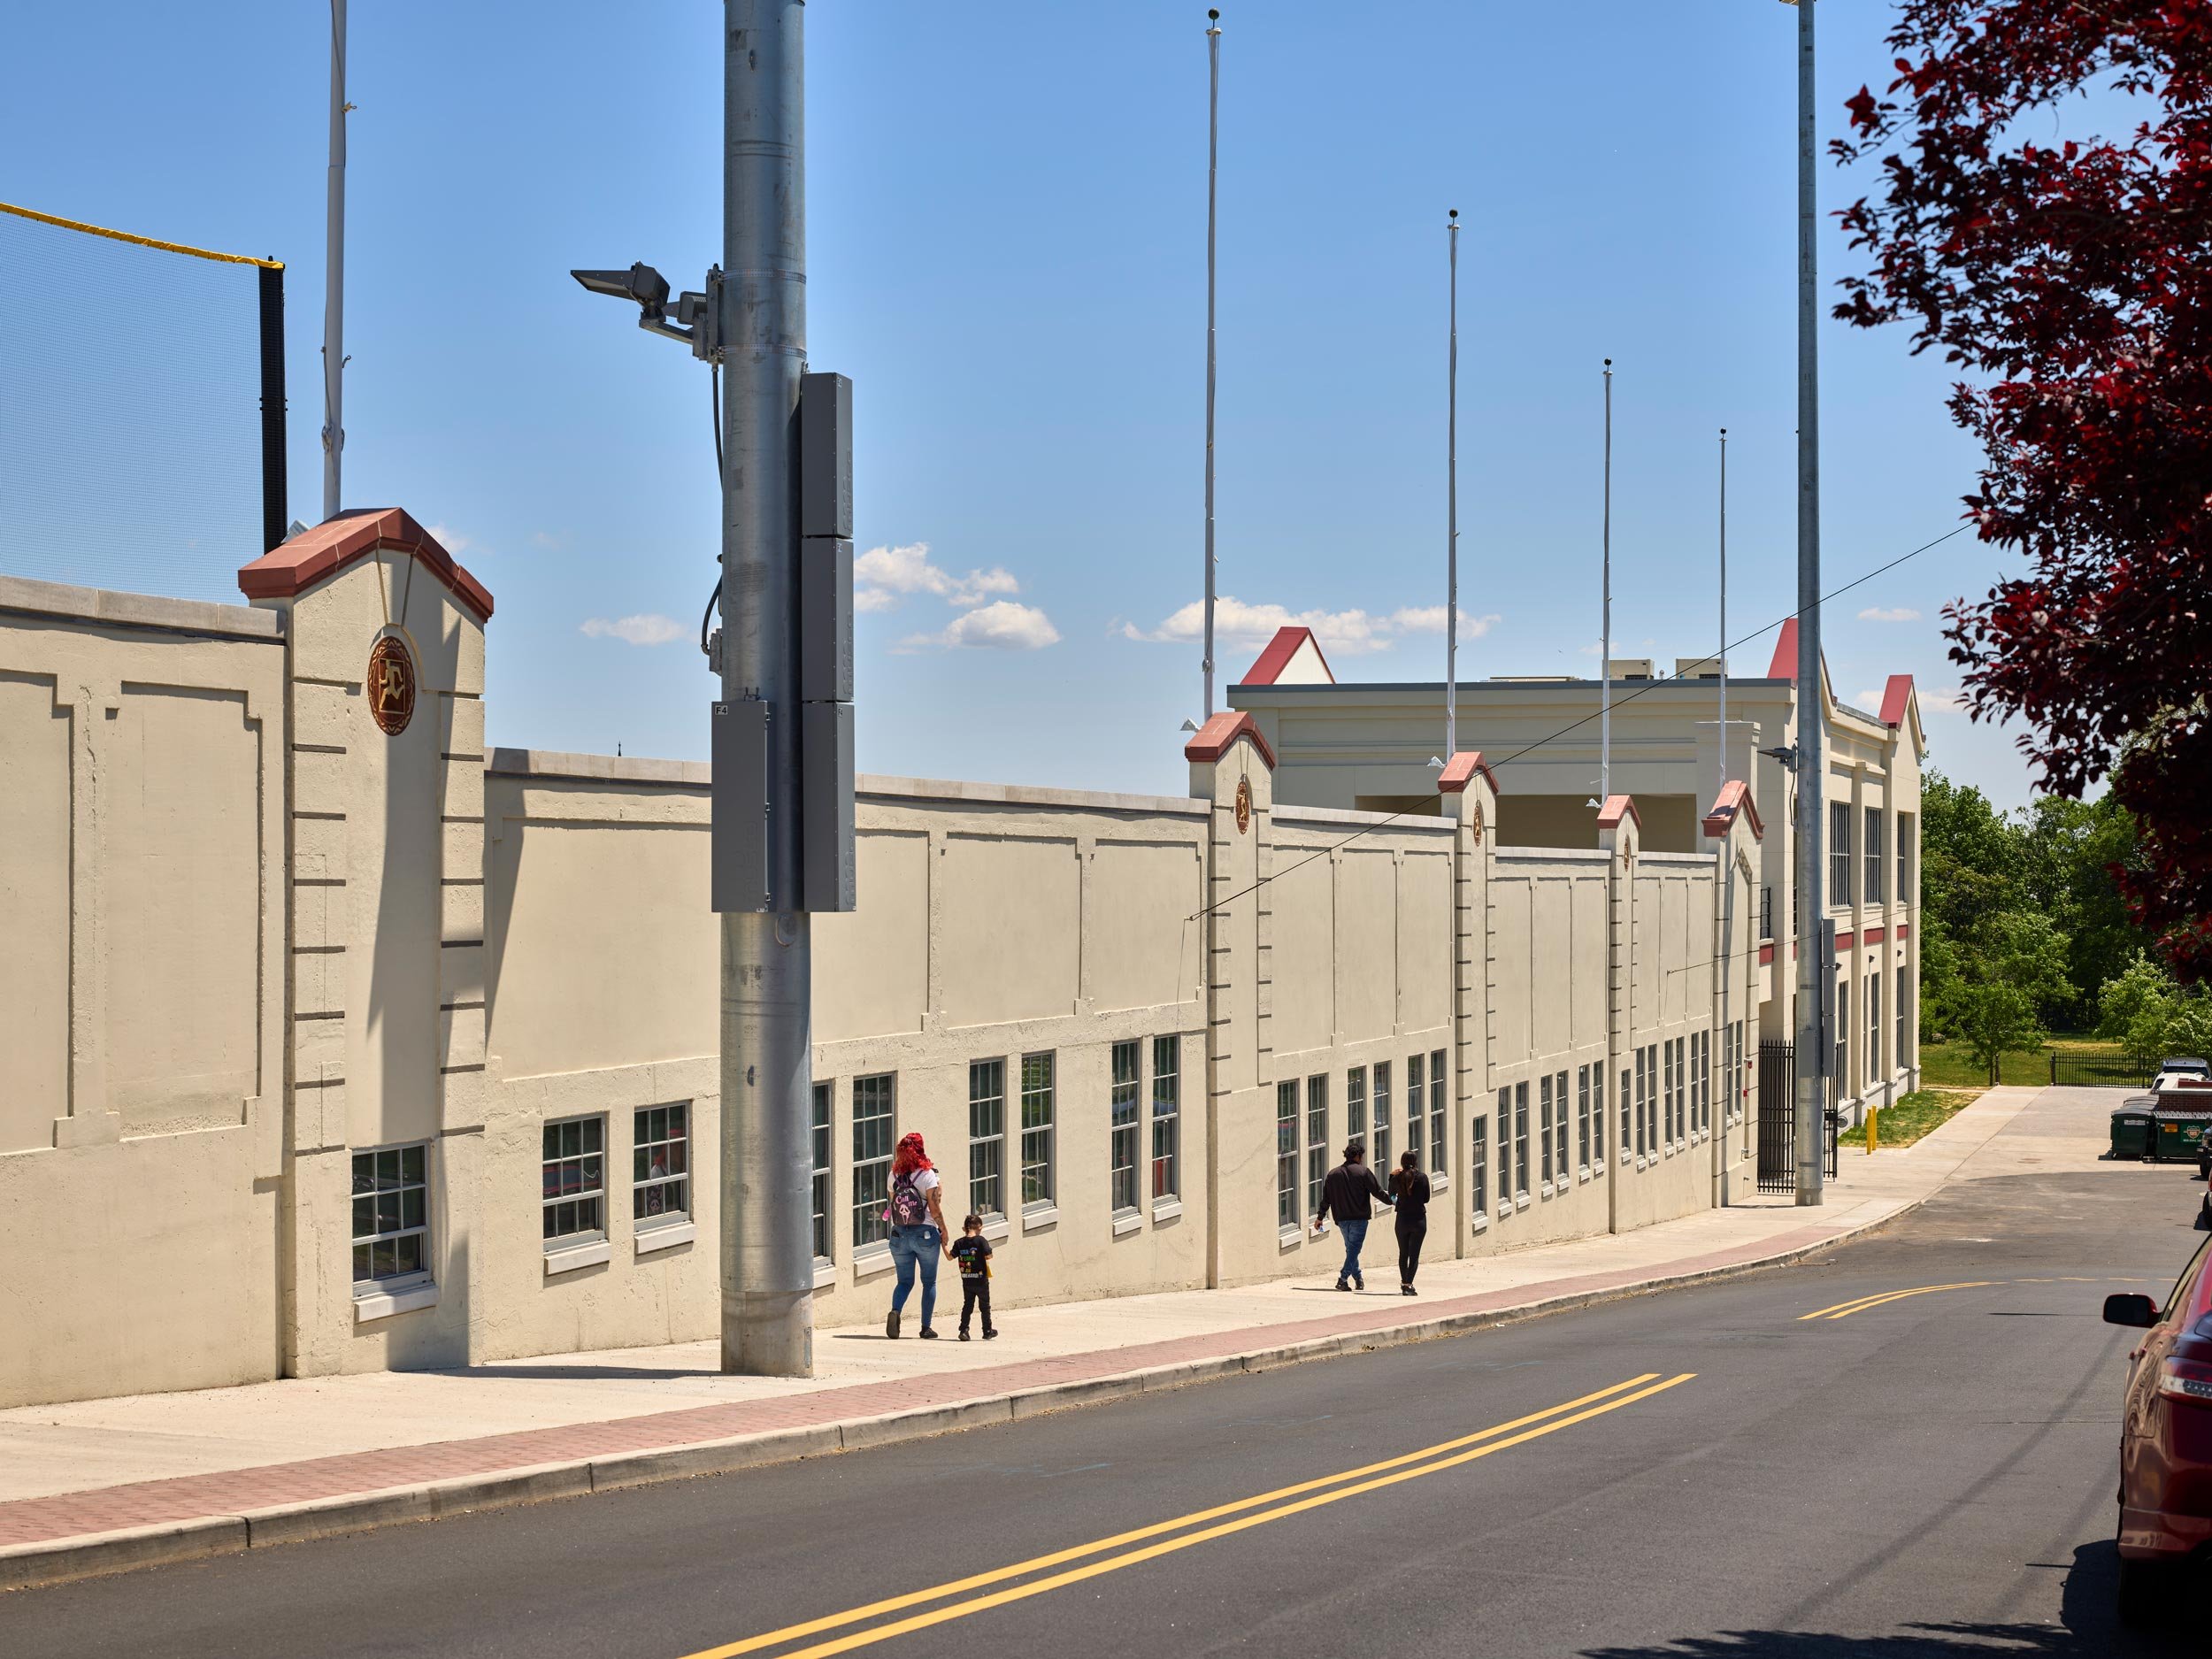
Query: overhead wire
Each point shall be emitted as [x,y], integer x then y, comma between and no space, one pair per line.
[1530,748]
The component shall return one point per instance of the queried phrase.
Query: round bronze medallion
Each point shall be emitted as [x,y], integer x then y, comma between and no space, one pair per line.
[1474,820]
[1244,804]
[391,685]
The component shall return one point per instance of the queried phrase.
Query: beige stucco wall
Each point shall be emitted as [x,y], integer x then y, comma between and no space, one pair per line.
[258,936]
[142,787]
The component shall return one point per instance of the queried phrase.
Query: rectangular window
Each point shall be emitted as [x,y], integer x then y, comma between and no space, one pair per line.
[1597,1118]
[1543,1129]
[1877,855]
[1643,1087]
[1740,1084]
[1122,1117]
[1874,1027]
[874,1100]
[1905,822]
[660,1163]
[1037,1129]
[1167,1117]
[1355,1103]
[1416,1105]
[987,1137]
[1904,1045]
[1383,1108]
[1628,1110]
[1286,1156]
[1478,1162]
[1766,912]
[391,1213]
[821,1159]
[1505,1150]
[1440,1109]
[1839,853]
[1840,1072]
[574,1177]
[1582,1116]
[1667,1094]
[1317,1140]
[1520,1141]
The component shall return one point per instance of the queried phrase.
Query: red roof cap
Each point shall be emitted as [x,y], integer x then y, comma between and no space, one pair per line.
[1735,796]
[1896,693]
[1784,664]
[1214,737]
[309,557]
[1617,807]
[1276,657]
[1460,771]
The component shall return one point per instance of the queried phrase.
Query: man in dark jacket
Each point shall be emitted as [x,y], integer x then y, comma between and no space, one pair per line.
[1347,1197]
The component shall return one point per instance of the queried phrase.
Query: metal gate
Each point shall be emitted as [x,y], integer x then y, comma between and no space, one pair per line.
[1778,1118]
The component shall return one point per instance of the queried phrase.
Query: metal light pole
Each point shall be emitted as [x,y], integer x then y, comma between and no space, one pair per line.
[767,1021]
[1812,1059]
[1723,614]
[1451,510]
[1213,152]
[334,269]
[1605,626]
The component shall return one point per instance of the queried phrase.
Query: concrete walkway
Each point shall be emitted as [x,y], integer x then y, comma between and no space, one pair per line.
[101,1484]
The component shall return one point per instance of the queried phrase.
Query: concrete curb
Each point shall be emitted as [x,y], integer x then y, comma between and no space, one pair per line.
[57,1561]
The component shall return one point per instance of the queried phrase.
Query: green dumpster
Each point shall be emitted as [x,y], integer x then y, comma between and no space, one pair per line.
[2133,1128]
[2179,1135]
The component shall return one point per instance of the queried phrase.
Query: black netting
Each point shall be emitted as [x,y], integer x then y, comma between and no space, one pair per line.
[130,417]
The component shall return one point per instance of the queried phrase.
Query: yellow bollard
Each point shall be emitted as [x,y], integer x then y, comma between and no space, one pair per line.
[1873,1136]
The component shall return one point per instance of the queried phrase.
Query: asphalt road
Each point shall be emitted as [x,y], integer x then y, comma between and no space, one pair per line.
[1699,1473]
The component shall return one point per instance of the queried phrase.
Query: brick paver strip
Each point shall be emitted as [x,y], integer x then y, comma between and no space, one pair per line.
[191,1497]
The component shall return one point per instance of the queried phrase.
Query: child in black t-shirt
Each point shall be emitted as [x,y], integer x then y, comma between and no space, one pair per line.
[972,1251]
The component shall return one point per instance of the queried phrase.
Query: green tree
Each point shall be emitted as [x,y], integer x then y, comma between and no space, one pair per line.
[1971,857]
[2151,1016]
[2069,850]
[2007,969]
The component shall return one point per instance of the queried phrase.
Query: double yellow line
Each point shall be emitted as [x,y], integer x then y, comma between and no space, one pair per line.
[1246,1513]
[1844,1309]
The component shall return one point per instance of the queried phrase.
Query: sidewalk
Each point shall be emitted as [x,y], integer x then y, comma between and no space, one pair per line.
[102,1484]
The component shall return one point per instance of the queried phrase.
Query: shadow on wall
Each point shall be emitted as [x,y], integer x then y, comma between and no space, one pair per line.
[2088,1628]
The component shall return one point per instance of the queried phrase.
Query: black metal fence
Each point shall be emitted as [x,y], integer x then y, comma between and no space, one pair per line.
[2079,1066]
[1778,1118]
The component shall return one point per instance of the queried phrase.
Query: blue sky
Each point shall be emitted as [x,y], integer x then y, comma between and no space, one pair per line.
[1007,217]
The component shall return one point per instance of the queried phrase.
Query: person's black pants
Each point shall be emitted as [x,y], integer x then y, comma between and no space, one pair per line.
[1410,1234]
[975,1292]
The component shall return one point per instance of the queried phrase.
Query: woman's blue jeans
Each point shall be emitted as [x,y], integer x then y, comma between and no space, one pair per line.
[912,1247]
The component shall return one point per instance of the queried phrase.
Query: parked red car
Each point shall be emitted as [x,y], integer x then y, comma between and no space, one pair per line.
[2166,1440]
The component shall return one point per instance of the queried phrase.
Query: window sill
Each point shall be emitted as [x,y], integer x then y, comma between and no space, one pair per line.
[874,1259]
[1440,1184]
[1480,1224]
[382,1304]
[1520,1200]
[1582,1174]
[996,1227]
[567,1261]
[1544,1190]
[824,1275]
[1288,1237]
[1127,1224]
[1039,1215]
[1165,1210]
[667,1236]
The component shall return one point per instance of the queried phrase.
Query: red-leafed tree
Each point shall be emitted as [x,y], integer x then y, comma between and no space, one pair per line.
[2072,282]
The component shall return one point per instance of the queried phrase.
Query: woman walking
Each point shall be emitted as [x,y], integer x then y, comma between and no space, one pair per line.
[1410,1188]
[916,1214]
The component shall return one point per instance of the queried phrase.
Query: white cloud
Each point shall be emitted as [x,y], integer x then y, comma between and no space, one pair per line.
[1948,702]
[452,540]
[883,575]
[648,629]
[1869,700]
[1000,625]
[1899,613]
[545,538]
[1342,633]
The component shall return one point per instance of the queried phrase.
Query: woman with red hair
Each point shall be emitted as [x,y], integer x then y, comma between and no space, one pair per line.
[916,1214]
